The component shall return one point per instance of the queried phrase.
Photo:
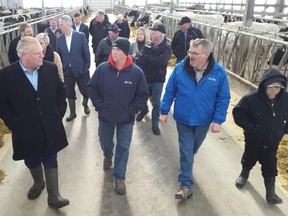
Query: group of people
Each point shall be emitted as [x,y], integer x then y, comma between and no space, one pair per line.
[33,98]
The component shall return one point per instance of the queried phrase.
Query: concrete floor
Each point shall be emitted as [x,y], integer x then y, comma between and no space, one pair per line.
[151,176]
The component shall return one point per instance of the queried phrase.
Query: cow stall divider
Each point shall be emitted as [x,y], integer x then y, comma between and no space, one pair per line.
[241,52]
[8,35]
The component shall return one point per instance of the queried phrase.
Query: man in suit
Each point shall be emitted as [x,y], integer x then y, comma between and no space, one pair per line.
[53,32]
[73,49]
[32,105]
[25,29]
[79,26]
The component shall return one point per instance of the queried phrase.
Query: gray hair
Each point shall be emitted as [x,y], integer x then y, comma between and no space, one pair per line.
[24,45]
[206,45]
[66,19]
[100,12]
[44,37]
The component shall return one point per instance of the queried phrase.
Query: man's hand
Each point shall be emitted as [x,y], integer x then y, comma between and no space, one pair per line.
[164,119]
[215,127]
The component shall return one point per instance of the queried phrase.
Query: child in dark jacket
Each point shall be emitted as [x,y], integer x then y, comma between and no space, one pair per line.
[263,116]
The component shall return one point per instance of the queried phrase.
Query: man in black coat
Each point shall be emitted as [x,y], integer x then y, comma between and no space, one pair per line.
[123,25]
[182,37]
[79,26]
[263,115]
[98,28]
[25,29]
[32,105]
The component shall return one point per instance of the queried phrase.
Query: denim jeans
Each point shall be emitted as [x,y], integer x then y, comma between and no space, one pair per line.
[155,90]
[49,162]
[190,140]
[123,137]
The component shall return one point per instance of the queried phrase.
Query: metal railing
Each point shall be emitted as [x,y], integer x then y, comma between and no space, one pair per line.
[227,44]
[8,35]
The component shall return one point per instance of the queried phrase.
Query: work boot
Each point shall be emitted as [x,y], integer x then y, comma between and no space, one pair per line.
[156,130]
[107,163]
[141,115]
[242,179]
[39,184]
[54,198]
[72,107]
[184,193]
[85,105]
[120,187]
[271,196]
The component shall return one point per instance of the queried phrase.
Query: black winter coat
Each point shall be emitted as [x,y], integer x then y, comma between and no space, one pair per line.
[12,52]
[154,61]
[125,30]
[180,44]
[98,31]
[34,117]
[263,124]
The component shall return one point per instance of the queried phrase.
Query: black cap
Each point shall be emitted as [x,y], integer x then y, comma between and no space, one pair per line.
[123,44]
[184,20]
[114,28]
[159,27]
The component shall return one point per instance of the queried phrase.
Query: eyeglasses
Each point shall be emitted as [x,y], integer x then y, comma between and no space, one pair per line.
[194,53]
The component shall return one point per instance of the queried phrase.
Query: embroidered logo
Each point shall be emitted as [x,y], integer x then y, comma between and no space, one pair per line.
[128,82]
[211,78]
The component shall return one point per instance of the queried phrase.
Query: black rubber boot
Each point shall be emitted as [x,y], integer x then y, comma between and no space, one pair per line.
[271,197]
[72,107]
[242,179]
[39,184]
[85,105]
[54,198]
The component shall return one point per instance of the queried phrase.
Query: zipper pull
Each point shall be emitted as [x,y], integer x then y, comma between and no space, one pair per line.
[117,74]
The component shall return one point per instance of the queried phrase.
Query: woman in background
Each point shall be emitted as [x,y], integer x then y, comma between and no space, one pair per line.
[49,54]
[141,39]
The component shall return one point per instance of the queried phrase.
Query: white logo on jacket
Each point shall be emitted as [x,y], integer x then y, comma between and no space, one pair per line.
[128,82]
[211,78]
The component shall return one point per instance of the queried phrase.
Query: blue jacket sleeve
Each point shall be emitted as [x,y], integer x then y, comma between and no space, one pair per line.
[222,101]
[170,94]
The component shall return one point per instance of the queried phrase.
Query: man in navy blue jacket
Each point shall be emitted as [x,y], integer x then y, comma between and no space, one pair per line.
[73,49]
[118,90]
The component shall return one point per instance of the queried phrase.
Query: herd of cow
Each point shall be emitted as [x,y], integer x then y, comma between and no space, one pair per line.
[275,30]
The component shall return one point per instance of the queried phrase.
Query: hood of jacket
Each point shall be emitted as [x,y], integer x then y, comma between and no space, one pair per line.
[269,76]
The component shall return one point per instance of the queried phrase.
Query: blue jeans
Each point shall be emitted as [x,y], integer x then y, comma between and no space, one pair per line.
[49,162]
[190,140]
[155,90]
[123,137]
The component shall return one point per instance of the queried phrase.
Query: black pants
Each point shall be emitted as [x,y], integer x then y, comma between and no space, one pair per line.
[70,80]
[266,157]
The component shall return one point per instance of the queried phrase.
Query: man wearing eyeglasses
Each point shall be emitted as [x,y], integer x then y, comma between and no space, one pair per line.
[199,88]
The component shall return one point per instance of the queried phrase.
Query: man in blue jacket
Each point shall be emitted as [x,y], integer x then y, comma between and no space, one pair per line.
[199,88]
[118,90]
[72,46]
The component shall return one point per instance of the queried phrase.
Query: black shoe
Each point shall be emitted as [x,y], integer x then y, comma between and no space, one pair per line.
[242,179]
[70,118]
[156,130]
[86,109]
[141,115]
[240,182]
